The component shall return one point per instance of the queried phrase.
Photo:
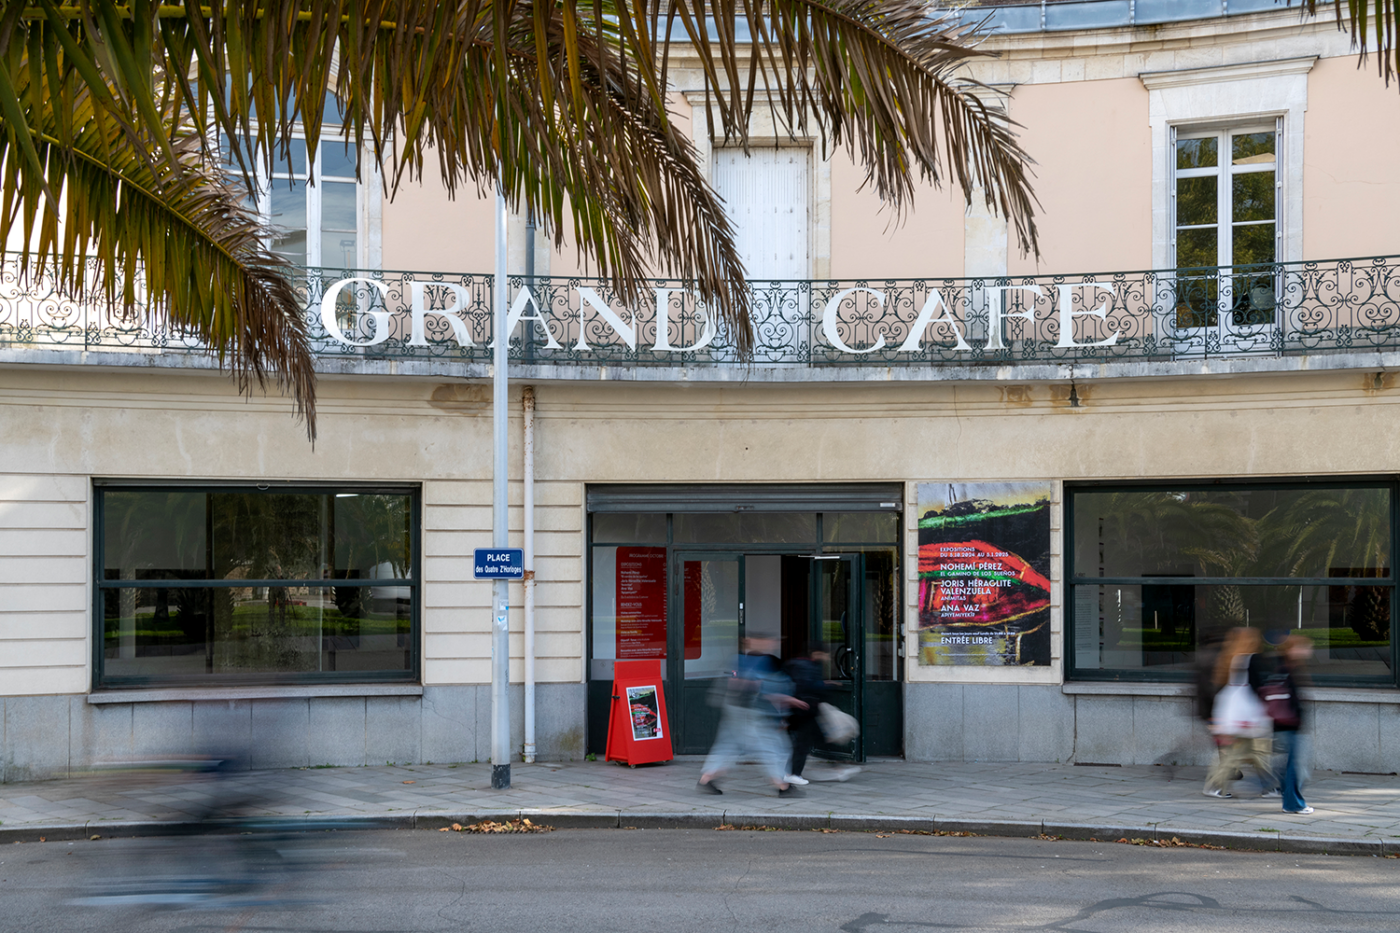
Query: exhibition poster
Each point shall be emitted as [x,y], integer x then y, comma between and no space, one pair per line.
[984,574]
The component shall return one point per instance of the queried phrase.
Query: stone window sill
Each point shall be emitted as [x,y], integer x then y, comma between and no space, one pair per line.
[275,692]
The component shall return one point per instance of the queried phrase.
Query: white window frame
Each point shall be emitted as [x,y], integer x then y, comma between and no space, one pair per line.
[369,206]
[1229,96]
[1224,170]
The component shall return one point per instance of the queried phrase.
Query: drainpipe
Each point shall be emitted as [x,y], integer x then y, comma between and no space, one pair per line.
[528,399]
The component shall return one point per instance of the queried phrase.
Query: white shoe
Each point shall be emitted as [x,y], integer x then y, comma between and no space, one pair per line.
[794,779]
[1304,810]
[845,774]
[1217,792]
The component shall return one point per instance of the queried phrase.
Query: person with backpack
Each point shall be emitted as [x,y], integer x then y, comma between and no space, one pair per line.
[1281,701]
[756,698]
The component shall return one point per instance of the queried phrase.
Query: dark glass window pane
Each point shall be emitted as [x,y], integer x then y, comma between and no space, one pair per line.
[154,536]
[881,615]
[269,536]
[1232,533]
[630,527]
[1252,148]
[1196,249]
[1197,153]
[372,537]
[882,527]
[745,528]
[1253,244]
[1157,627]
[1254,299]
[1196,201]
[1197,300]
[1253,196]
[237,633]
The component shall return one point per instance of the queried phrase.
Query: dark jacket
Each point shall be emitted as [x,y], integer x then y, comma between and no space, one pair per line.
[1283,682]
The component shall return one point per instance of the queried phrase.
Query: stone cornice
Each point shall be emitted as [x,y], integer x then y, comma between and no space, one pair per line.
[1157,80]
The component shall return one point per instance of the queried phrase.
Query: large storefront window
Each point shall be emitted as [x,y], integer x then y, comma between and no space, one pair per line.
[199,586]
[1160,572]
[684,576]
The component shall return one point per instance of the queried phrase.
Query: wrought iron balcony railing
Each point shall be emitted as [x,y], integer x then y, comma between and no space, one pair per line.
[1344,305]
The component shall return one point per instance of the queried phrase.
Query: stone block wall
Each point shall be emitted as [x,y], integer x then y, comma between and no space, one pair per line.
[993,722]
[48,737]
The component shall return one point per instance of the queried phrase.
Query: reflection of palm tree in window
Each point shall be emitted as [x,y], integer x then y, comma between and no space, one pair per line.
[1336,533]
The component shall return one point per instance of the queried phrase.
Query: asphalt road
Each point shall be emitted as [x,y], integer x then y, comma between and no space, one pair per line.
[653,880]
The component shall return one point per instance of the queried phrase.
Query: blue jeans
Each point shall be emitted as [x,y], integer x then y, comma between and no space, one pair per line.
[1290,745]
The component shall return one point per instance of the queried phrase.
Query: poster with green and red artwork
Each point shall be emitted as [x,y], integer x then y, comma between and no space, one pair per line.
[984,574]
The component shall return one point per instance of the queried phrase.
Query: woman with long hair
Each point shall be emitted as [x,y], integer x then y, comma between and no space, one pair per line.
[1239,721]
[1282,701]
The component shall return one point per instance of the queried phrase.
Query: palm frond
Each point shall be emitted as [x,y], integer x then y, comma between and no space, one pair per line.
[563,105]
[170,241]
[1368,20]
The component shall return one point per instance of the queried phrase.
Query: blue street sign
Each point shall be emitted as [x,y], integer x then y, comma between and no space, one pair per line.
[507,563]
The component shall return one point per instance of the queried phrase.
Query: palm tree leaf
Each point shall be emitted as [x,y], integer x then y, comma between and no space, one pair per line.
[1366,19]
[179,229]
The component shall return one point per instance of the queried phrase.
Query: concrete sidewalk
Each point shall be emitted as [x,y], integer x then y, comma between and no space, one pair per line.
[1357,814]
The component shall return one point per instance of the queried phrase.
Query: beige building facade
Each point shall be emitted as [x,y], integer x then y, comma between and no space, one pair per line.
[179,566]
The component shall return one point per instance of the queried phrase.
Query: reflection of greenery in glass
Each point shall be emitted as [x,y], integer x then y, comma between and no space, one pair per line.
[1234,533]
[1196,203]
[153,535]
[1317,536]
[297,538]
[1196,153]
[1252,196]
[1251,148]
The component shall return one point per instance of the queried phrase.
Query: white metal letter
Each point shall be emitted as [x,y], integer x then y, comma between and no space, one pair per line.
[1067,314]
[829,320]
[627,331]
[926,318]
[996,311]
[663,324]
[332,325]
[418,291]
[517,314]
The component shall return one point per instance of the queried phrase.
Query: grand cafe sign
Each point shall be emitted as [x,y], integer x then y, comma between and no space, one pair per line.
[374,325]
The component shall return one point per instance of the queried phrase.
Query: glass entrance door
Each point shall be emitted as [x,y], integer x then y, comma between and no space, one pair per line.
[704,644]
[837,624]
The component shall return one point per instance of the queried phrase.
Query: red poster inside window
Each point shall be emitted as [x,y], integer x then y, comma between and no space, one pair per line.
[641,602]
[691,581]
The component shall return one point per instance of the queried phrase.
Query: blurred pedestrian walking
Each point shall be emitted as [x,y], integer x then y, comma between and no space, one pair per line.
[1239,719]
[753,704]
[1282,703]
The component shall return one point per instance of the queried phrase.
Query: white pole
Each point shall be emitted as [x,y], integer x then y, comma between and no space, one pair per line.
[500,589]
[528,400]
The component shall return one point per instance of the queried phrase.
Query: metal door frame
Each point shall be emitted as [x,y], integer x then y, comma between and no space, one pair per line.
[855,612]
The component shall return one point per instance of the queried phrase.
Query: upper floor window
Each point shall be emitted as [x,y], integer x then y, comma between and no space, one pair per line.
[317,223]
[332,221]
[1225,197]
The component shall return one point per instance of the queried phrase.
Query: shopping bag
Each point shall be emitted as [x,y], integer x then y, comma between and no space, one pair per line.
[1239,712]
[837,727]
